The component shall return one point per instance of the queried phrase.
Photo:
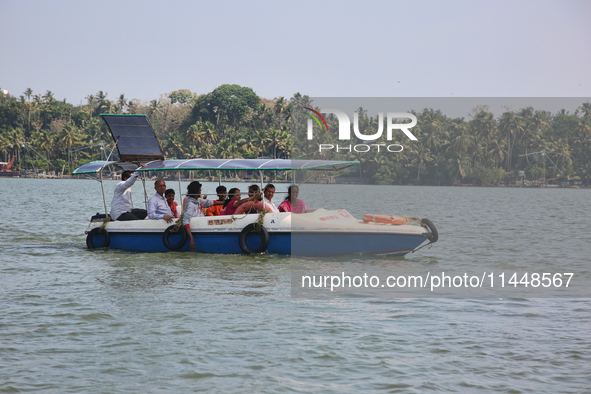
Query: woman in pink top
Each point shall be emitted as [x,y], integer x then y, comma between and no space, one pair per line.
[291,202]
[233,201]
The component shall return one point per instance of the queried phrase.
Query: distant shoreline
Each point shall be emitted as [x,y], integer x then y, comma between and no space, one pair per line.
[314,183]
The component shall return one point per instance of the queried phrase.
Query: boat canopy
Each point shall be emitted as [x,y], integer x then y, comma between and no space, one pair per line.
[135,140]
[246,164]
[136,143]
[221,164]
[95,166]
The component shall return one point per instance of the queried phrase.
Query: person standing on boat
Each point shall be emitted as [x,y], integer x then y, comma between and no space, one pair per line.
[157,206]
[121,205]
[292,203]
[268,193]
[194,208]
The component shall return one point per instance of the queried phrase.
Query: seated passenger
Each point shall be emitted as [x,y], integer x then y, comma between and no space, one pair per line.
[216,209]
[252,190]
[269,192]
[233,201]
[169,195]
[157,206]
[193,208]
[291,202]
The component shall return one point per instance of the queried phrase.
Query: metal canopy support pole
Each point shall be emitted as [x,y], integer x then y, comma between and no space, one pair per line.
[103,190]
[145,192]
[307,179]
[261,173]
[180,190]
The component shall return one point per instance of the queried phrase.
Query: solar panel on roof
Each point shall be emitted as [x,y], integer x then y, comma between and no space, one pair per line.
[134,136]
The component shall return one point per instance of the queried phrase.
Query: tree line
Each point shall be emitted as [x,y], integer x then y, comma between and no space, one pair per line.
[233,122]
[230,122]
[484,150]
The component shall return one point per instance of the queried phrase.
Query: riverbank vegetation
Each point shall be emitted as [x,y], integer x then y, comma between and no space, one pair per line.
[233,122]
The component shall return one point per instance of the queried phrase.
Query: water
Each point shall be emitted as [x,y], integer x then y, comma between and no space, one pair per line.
[75,320]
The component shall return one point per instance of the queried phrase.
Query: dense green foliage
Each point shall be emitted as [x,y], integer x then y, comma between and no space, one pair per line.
[232,122]
[480,151]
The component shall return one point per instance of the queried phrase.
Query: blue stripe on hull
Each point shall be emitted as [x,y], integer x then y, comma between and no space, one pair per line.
[335,244]
[301,244]
[223,243]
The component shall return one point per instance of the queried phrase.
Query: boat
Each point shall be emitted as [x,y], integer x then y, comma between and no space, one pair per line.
[6,168]
[318,232]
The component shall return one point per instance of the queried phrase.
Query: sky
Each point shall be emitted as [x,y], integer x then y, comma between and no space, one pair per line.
[319,48]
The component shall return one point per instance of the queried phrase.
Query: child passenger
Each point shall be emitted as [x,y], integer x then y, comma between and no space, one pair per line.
[216,209]
[169,195]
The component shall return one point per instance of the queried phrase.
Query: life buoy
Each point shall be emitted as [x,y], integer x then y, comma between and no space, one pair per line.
[258,205]
[431,227]
[96,231]
[387,219]
[170,231]
[264,239]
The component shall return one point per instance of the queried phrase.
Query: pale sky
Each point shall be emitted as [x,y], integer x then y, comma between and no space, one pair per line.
[318,48]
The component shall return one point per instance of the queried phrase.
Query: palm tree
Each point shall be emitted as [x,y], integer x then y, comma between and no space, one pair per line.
[511,126]
[420,154]
[586,109]
[227,150]
[48,145]
[457,166]
[154,104]
[48,96]
[210,134]
[463,141]
[484,125]
[177,143]
[247,142]
[28,93]
[496,151]
[91,103]
[439,162]
[193,135]
[431,128]
[261,140]
[70,135]
[100,98]
[122,101]
[277,140]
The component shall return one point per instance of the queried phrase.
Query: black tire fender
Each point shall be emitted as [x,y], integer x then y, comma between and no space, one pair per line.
[170,230]
[94,232]
[431,227]
[264,239]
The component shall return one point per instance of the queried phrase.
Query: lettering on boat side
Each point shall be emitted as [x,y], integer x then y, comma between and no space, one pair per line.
[331,217]
[218,222]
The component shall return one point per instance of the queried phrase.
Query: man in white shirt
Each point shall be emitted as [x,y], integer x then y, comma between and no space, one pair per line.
[157,206]
[121,205]
[268,194]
